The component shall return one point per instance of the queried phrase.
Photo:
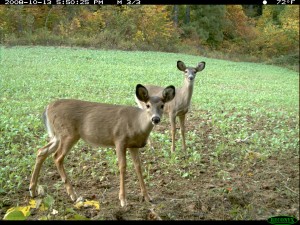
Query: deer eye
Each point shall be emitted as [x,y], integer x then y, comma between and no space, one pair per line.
[162,106]
[148,106]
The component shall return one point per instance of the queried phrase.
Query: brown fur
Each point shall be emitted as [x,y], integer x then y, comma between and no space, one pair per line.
[179,106]
[100,124]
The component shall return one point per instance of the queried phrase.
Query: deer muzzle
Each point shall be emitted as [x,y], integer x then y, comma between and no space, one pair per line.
[155,120]
[191,78]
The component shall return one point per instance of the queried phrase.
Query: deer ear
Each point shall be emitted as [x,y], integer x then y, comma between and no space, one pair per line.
[142,93]
[168,93]
[181,66]
[200,67]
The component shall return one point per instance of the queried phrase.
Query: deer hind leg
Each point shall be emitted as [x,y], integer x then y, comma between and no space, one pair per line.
[66,144]
[182,129]
[137,165]
[42,154]
[173,130]
[121,154]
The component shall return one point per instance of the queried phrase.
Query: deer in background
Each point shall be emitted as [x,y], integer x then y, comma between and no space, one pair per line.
[99,124]
[179,106]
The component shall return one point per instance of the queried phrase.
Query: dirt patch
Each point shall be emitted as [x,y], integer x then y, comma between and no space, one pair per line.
[227,186]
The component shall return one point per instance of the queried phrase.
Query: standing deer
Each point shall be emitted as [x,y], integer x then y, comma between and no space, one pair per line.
[99,124]
[179,106]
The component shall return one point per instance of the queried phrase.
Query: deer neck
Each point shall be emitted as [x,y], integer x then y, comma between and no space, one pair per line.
[187,91]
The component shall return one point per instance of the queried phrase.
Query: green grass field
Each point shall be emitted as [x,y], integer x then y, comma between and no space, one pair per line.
[237,109]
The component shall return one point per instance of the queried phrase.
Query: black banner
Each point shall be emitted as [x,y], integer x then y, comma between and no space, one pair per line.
[149,2]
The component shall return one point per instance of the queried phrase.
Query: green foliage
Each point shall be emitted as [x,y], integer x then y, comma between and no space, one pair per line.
[122,27]
[14,215]
[290,61]
[208,21]
[252,33]
[279,31]
[237,108]
[141,27]
[253,11]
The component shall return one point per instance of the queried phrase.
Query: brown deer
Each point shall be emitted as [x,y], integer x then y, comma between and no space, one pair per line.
[179,106]
[99,124]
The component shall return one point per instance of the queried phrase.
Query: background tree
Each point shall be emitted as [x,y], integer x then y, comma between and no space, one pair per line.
[208,22]
[278,31]
[261,32]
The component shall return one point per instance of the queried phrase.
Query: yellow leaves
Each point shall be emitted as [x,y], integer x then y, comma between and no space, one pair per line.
[14,212]
[250,155]
[86,204]
[75,24]
[235,12]
[155,25]
[292,24]
[33,204]
[17,213]
[22,212]
[139,36]
[278,36]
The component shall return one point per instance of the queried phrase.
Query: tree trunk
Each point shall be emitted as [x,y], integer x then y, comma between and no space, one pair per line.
[187,14]
[176,10]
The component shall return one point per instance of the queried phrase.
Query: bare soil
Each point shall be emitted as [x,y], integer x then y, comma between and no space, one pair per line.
[216,188]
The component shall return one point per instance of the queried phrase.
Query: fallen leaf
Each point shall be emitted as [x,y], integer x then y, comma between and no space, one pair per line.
[14,215]
[35,204]
[32,203]
[24,209]
[43,207]
[94,204]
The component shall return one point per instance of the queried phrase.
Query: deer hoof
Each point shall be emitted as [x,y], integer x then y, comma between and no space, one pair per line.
[32,191]
[147,198]
[123,203]
[73,197]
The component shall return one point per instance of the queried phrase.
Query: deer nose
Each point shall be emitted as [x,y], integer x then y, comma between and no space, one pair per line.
[191,78]
[155,120]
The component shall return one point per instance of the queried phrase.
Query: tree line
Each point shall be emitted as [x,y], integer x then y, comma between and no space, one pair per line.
[261,32]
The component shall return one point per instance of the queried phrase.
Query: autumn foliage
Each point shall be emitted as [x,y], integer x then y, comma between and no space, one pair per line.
[256,32]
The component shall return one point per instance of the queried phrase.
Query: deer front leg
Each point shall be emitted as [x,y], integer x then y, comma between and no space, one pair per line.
[173,130]
[121,154]
[42,154]
[182,129]
[137,165]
